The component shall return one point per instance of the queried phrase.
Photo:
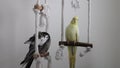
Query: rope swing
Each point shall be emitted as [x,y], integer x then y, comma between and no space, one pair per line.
[62,43]
[62,21]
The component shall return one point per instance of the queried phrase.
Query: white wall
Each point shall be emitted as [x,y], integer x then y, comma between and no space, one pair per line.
[17,25]
[105,28]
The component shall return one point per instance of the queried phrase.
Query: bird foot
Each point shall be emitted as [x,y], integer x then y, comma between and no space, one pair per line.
[36,55]
[44,54]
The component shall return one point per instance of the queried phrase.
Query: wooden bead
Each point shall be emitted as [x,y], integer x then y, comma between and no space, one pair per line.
[38,7]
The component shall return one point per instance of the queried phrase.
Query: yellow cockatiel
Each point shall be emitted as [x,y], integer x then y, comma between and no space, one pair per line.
[72,34]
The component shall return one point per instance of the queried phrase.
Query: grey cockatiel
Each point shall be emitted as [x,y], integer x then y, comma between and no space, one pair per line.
[43,46]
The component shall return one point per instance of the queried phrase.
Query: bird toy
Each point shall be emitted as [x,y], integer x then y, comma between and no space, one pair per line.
[40,41]
[72,36]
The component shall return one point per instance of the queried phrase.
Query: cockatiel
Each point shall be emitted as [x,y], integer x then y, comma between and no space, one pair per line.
[44,39]
[72,34]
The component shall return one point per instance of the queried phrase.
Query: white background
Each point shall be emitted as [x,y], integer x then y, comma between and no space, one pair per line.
[17,25]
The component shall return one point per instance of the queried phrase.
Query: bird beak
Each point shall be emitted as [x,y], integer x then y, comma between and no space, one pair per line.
[27,42]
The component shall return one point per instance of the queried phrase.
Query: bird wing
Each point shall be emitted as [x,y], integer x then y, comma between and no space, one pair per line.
[29,57]
[77,35]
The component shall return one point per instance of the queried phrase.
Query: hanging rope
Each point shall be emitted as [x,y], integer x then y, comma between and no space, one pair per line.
[62,21]
[45,1]
[59,52]
[88,30]
[88,49]
[36,29]
[37,2]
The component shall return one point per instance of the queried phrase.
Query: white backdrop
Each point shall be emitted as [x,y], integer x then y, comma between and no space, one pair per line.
[17,25]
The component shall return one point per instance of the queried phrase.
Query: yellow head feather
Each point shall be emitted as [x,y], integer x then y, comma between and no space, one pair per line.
[75,17]
[74,20]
